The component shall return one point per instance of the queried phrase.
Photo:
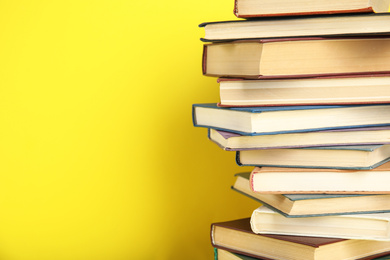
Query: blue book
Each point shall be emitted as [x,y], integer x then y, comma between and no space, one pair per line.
[288,119]
[311,205]
[352,157]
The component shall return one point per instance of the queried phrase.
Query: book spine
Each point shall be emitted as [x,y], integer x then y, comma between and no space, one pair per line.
[238,160]
[204,59]
[235,11]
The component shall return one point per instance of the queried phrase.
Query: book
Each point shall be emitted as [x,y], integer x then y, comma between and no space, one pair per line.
[307,91]
[289,119]
[355,157]
[352,226]
[310,205]
[256,8]
[297,26]
[236,236]
[327,181]
[297,57]
[220,254]
[230,141]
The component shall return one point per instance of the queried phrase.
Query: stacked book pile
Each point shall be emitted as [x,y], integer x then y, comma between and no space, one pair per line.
[305,100]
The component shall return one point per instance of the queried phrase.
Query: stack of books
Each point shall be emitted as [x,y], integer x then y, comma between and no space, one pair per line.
[305,100]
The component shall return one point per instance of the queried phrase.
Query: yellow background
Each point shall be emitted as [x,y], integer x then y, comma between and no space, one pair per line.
[98,156]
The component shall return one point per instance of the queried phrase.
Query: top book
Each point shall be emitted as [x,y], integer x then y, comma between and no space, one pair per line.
[259,8]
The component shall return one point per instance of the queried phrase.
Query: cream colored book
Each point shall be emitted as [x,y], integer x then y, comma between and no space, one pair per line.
[355,226]
[358,136]
[311,91]
[289,119]
[237,236]
[299,57]
[298,26]
[355,157]
[320,181]
[309,205]
[256,8]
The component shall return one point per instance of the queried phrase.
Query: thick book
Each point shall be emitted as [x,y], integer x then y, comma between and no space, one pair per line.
[236,236]
[310,205]
[355,157]
[297,57]
[260,8]
[355,226]
[230,141]
[302,26]
[289,119]
[319,181]
[307,91]
[220,254]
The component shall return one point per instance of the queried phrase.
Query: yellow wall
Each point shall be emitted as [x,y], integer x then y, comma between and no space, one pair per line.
[98,155]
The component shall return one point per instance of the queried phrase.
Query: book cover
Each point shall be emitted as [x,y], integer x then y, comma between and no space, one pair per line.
[265,8]
[297,26]
[297,57]
[291,119]
[220,254]
[321,181]
[350,157]
[347,90]
[353,226]
[230,141]
[311,205]
[237,236]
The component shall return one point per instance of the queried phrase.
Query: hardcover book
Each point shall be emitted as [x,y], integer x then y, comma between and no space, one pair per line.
[297,57]
[230,141]
[298,26]
[236,236]
[321,181]
[220,254]
[355,226]
[258,8]
[307,91]
[310,205]
[358,157]
[289,119]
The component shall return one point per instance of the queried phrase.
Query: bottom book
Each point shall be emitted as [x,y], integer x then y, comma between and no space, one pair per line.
[220,254]
[236,236]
